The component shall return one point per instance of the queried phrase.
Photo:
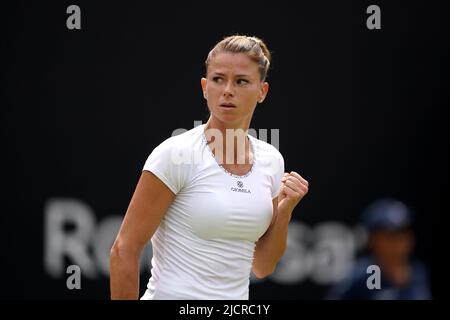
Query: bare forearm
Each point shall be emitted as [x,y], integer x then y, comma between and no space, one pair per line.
[124,275]
[271,247]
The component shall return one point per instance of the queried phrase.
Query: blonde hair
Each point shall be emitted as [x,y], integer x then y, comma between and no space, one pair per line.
[254,47]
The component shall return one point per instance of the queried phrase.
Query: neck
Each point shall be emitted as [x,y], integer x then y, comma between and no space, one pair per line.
[397,270]
[231,139]
[214,123]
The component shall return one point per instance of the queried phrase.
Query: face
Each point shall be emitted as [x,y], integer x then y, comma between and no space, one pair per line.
[232,88]
[393,245]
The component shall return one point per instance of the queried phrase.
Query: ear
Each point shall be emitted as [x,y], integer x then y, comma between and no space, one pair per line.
[263,92]
[203,83]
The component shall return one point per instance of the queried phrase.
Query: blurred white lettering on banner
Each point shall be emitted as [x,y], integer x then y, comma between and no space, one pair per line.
[71,232]
[322,254]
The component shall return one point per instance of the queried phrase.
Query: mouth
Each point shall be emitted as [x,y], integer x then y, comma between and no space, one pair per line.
[227,105]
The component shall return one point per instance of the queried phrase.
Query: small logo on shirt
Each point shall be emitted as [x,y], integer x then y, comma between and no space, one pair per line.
[240,188]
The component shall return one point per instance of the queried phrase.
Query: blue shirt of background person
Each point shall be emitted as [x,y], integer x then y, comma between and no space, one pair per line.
[391,241]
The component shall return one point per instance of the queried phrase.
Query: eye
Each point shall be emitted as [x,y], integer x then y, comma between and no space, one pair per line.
[242,82]
[217,79]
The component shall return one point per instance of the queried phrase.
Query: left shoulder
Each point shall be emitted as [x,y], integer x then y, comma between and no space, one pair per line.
[266,149]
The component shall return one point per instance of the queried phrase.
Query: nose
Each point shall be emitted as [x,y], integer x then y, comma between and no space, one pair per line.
[228,91]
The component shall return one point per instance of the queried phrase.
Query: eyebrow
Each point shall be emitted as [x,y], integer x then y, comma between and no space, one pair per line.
[238,75]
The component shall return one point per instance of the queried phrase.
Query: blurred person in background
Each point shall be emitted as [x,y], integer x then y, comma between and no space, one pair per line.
[390,247]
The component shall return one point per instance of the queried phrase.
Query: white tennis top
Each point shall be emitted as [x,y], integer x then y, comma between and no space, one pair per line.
[203,248]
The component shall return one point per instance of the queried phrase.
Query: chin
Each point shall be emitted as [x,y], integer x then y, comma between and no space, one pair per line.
[231,120]
[226,117]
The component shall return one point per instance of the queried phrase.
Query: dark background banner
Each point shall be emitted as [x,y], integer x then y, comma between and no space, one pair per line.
[360,114]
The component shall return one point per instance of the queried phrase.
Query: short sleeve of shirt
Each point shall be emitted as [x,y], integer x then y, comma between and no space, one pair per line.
[276,184]
[164,162]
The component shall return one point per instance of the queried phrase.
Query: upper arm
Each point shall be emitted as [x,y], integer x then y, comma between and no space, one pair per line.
[147,207]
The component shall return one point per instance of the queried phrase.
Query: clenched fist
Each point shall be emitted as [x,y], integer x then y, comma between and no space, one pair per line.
[293,189]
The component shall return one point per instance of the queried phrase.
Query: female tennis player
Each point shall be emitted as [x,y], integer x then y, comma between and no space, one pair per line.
[215,201]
